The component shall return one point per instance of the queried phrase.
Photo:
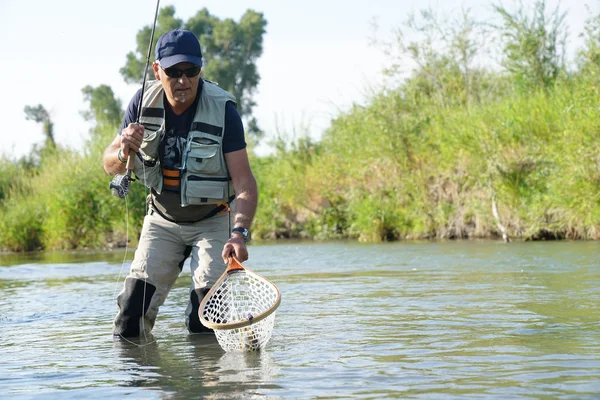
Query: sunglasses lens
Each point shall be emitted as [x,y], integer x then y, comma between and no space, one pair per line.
[191,72]
[173,72]
[177,73]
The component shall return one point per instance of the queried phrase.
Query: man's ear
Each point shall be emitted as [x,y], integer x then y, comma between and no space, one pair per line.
[155,67]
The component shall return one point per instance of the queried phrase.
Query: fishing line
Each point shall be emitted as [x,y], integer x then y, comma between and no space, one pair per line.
[146,189]
[143,328]
[126,247]
[146,192]
[121,272]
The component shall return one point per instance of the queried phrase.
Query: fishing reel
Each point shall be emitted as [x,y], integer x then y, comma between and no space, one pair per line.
[119,186]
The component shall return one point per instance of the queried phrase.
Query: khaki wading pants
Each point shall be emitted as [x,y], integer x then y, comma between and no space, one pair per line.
[158,261]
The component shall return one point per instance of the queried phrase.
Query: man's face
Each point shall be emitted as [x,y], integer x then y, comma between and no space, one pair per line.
[180,87]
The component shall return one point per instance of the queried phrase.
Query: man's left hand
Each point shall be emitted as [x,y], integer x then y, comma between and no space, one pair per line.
[236,247]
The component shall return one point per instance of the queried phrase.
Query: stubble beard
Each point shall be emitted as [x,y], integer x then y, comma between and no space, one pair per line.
[181,98]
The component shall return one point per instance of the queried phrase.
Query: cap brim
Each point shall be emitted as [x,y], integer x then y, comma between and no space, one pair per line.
[168,62]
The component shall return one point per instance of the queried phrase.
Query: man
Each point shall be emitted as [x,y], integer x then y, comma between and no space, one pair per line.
[189,149]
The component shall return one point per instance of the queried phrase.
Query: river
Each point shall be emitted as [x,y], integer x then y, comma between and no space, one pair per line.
[419,320]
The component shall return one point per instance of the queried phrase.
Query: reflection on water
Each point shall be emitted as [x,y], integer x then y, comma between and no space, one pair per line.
[406,320]
[193,367]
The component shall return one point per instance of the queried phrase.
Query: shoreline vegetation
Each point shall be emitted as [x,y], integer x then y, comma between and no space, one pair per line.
[456,148]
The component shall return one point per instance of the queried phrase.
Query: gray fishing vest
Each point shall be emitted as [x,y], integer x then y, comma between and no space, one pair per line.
[204,178]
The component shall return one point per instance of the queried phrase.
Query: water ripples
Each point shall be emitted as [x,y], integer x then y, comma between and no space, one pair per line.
[446,320]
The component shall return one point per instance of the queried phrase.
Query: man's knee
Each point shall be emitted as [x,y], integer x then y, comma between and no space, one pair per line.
[133,304]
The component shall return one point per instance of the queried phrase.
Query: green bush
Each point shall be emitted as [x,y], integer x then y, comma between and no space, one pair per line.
[21,222]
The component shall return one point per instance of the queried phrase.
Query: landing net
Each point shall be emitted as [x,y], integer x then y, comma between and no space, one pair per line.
[241,309]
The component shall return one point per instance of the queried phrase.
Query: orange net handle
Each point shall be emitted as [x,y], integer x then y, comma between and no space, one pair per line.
[234,265]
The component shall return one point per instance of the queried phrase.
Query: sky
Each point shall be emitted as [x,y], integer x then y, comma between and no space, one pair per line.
[318,57]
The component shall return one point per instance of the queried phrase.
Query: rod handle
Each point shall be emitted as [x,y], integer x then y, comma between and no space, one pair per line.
[130,161]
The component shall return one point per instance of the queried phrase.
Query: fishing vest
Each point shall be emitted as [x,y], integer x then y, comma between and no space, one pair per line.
[203,177]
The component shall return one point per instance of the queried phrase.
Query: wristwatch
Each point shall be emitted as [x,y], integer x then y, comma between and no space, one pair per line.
[245,233]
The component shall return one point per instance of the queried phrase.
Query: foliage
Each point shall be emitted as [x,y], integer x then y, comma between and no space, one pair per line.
[443,57]
[40,115]
[231,51]
[12,177]
[105,109]
[434,174]
[284,200]
[589,55]
[454,150]
[133,70]
[427,158]
[21,224]
[534,46]
[67,204]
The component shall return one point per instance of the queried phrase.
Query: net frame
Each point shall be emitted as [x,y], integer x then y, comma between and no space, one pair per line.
[236,271]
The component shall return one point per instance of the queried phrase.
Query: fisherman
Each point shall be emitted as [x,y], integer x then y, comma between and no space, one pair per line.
[190,151]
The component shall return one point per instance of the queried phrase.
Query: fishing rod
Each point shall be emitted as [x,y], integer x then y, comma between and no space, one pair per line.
[119,186]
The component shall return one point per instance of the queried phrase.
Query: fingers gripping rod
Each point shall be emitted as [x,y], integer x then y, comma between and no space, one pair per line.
[119,186]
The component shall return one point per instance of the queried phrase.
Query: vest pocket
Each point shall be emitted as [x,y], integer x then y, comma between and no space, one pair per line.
[149,147]
[204,158]
[149,176]
[202,191]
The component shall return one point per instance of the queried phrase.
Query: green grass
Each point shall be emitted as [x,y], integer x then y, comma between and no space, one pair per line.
[411,163]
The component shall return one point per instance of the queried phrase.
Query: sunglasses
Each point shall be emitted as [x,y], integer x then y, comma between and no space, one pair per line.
[178,73]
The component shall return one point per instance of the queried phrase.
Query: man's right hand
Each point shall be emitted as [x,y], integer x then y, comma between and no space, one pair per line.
[131,138]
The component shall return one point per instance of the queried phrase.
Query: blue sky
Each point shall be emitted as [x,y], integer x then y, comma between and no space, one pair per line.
[317,57]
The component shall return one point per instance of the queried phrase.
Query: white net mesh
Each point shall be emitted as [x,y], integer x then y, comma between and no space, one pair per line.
[249,338]
[241,297]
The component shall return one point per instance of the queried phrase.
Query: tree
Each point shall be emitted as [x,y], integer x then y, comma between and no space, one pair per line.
[589,56]
[230,50]
[40,115]
[534,47]
[133,71]
[442,53]
[105,109]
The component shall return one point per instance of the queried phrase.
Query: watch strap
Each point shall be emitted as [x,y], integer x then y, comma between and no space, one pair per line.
[244,231]
[120,156]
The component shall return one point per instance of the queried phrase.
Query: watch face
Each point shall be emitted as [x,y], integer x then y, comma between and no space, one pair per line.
[245,233]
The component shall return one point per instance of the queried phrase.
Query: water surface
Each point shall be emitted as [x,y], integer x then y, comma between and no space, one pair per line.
[450,320]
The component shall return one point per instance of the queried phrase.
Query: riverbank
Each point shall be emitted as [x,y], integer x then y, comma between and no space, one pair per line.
[453,151]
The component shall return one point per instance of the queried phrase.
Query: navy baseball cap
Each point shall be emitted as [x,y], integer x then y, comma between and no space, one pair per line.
[178,46]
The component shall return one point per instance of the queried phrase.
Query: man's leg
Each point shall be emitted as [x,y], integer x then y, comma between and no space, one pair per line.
[155,268]
[207,240]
